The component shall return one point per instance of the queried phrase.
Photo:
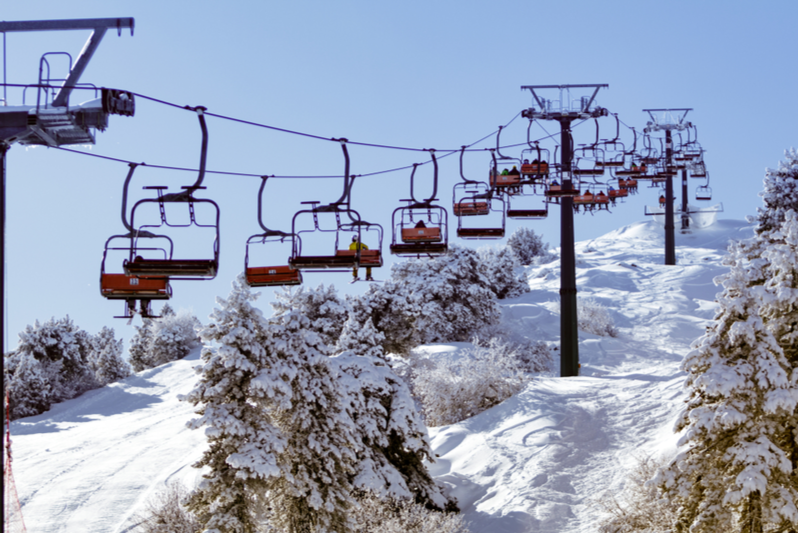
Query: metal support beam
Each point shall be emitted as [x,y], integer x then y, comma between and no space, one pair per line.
[99,27]
[669,213]
[568,292]
[684,202]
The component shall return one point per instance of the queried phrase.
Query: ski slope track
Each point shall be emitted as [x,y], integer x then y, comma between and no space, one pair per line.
[534,463]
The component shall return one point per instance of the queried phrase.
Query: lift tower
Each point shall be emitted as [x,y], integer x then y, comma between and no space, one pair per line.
[565,111]
[673,121]
[54,122]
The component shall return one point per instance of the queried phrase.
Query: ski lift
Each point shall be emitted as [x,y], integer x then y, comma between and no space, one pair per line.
[348,227]
[268,276]
[420,228]
[476,199]
[143,264]
[122,286]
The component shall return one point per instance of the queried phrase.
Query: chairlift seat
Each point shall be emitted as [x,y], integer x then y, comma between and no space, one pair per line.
[612,163]
[195,268]
[369,258]
[324,261]
[124,287]
[414,235]
[464,209]
[271,276]
[477,233]
[584,199]
[419,248]
[617,193]
[527,213]
[505,180]
[555,191]
[629,172]
[534,169]
[588,171]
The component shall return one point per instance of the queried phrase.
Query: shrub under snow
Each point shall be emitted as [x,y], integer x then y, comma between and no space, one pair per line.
[483,377]
[373,514]
[528,246]
[164,513]
[595,318]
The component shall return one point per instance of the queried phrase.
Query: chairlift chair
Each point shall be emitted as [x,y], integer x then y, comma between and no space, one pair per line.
[121,286]
[269,276]
[420,227]
[145,266]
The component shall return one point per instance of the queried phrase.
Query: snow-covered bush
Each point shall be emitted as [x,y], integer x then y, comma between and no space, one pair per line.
[440,299]
[527,246]
[51,364]
[375,514]
[161,340]
[483,377]
[165,513]
[595,318]
[739,456]
[323,307]
[638,507]
[532,356]
[499,265]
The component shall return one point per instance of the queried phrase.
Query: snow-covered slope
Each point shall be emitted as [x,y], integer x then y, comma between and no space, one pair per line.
[531,464]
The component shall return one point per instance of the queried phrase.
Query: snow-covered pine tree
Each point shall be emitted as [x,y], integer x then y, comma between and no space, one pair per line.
[172,337]
[527,245]
[237,383]
[138,349]
[323,307]
[28,387]
[499,265]
[161,340]
[106,358]
[394,437]
[321,439]
[740,463]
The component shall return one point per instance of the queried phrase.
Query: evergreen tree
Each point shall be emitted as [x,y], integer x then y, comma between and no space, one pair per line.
[138,350]
[741,416]
[323,307]
[161,340]
[321,439]
[237,384]
[29,390]
[106,358]
[56,353]
[275,422]
[394,437]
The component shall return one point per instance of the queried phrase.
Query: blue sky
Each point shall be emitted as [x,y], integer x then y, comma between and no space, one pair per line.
[412,74]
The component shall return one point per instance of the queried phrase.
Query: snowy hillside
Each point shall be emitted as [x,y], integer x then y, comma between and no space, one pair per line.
[530,464]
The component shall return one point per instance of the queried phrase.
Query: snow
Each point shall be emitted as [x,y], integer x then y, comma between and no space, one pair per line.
[531,464]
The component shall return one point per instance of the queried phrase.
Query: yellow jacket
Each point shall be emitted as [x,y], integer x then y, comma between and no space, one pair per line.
[358,245]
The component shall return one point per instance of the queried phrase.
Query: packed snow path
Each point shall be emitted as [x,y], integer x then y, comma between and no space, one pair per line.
[531,464]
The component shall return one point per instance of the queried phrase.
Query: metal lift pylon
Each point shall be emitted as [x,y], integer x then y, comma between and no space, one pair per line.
[565,113]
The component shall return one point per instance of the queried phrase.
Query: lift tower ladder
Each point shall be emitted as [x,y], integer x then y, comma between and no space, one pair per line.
[565,112]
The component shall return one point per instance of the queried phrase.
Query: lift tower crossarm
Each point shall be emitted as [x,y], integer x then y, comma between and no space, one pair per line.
[99,27]
[584,112]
